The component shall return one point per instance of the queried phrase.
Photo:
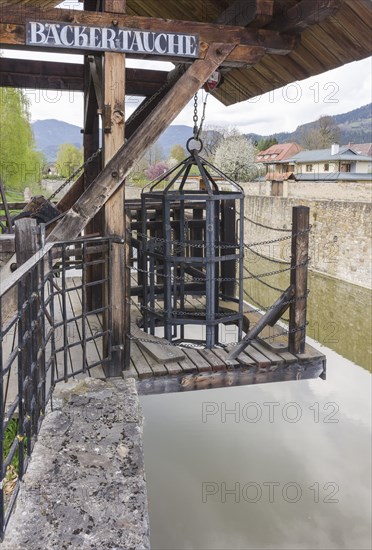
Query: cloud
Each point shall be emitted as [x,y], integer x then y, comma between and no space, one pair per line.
[334,92]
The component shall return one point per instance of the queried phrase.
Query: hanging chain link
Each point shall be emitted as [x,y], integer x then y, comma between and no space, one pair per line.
[203,117]
[61,187]
[195,117]
[167,84]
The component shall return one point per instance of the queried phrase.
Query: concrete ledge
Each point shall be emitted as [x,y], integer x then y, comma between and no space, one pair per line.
[85,486]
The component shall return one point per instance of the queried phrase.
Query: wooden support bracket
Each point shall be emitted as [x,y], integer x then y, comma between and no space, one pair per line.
[121,164]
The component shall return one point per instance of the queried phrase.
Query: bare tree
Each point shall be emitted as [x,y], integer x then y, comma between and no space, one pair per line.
[322,135]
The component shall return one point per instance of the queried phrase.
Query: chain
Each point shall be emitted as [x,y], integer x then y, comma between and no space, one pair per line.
[144,103]
[203,117]
[280,239]
[277,272]
[163,342]
[160,240]
[175,314]
[253,276]
[268,259]
[291,301]
[64,184]
[75,173]
[267,226]
[195,117]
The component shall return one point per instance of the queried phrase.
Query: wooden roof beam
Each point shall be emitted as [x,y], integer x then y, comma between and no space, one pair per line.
[255,13]
[48,75]
[115,172]
[13,21]
[305,14]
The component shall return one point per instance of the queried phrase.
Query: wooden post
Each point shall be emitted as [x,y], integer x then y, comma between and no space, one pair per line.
[115,220]
[5,206]
[26,239]
[94,295]
[299,259]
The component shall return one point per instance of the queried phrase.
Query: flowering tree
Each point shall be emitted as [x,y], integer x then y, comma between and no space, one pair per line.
[235,156]
[156,170]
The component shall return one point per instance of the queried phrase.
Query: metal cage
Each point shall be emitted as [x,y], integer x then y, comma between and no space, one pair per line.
[191,253]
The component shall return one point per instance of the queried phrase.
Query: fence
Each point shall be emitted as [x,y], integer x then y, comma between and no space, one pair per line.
[50,336]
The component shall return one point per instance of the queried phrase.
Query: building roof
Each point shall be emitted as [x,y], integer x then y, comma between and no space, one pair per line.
[343,36]
[278,176]
[278,152]
[320,155]
[361,148]
[334,176]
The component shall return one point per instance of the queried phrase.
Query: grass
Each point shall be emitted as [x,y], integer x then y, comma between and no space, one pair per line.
[11,476]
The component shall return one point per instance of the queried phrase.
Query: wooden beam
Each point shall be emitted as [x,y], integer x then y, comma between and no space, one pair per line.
[115,172]
[13,21]
[147,106]
[91,141]
[114,214]
[241,13]
[304,14]
[299,274]
[49,75]
[7,243]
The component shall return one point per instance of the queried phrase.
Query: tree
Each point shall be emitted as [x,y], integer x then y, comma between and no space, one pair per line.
[178,153]
[322,135]
[211,137]
[156,170]
[236,156]
[69,158]
[264,144]
[20,163]
[154,154]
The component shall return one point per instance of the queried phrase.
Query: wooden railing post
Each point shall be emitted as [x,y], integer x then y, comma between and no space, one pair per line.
[299,271]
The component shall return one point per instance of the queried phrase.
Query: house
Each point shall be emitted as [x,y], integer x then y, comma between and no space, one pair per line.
[274,159]
[361,148]
[334,164]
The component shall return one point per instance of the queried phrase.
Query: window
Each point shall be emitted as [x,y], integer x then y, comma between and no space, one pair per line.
[309,167]
[326,167]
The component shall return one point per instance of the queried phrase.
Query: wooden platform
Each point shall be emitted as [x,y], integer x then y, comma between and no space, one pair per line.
[163,368]
[200,369]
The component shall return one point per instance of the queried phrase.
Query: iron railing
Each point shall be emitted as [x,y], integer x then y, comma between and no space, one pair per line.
[48,333]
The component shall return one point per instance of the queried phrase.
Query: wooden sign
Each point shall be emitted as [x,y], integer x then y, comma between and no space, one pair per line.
[131,41]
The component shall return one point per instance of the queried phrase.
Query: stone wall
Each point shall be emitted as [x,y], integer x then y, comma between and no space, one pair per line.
[348,191]
[85,486]
[340,240]
[341,225]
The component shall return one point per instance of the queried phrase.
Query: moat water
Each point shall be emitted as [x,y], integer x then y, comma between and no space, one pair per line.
[274,466]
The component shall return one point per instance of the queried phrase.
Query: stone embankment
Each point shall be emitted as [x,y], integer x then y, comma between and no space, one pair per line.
[85,486]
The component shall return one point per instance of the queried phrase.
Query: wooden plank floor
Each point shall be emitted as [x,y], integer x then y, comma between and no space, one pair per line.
[265,360]
[178,369]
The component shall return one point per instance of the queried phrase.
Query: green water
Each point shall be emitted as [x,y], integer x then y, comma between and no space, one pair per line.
[339,313]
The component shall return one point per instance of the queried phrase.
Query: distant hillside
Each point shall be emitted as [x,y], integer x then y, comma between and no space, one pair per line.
[355,127]
[50,134]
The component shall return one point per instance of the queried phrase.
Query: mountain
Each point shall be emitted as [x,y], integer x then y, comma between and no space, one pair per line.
[355,127]
[50,134]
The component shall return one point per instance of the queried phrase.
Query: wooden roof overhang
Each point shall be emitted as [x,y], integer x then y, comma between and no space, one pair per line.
[278,41]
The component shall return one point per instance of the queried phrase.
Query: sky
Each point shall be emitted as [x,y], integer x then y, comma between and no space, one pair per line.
[334,92]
